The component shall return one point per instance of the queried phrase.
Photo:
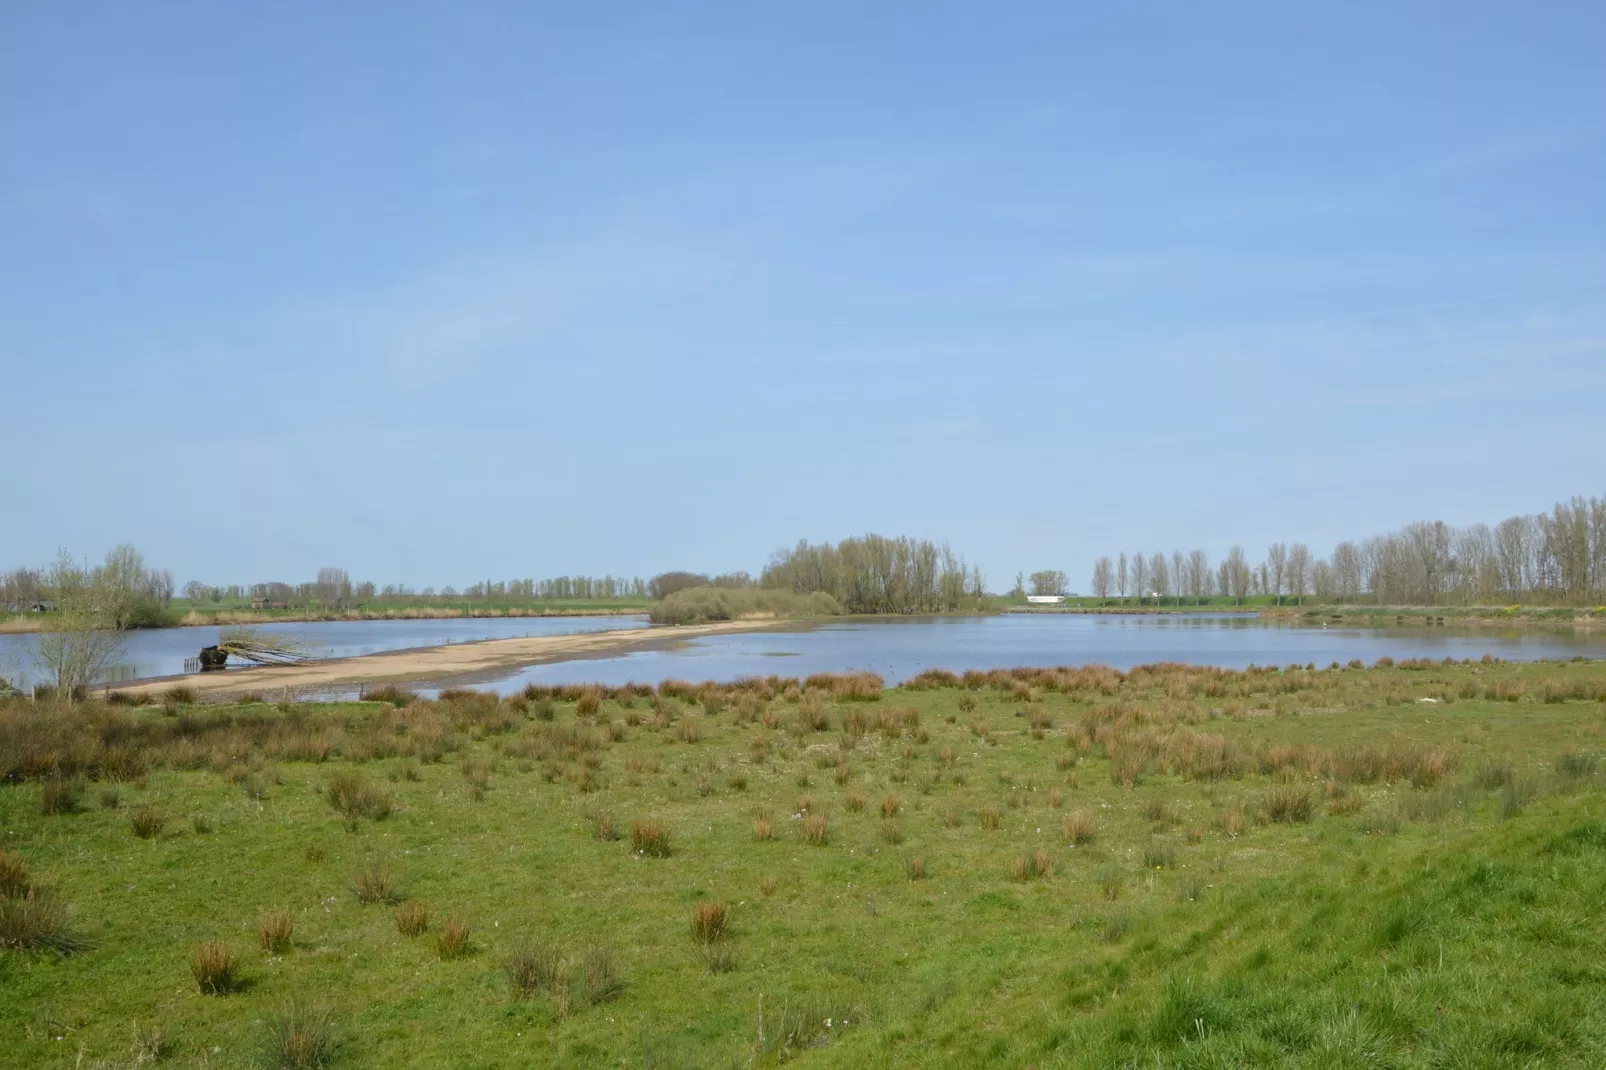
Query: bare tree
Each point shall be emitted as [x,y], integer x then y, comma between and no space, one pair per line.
[1140,575]
[1347,570]
[1321,579]
[1160,575]
[83,640]
[1298,571]
[333,587]
[1277,566]
[1121,574]
[1179,575]
[1102,577]
[1235,574]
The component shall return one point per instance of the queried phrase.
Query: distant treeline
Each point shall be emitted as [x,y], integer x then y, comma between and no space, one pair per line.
[1557,557]
[127,593]
[875,574]
[334,588]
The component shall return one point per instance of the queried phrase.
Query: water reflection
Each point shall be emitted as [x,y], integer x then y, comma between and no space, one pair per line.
[899,649]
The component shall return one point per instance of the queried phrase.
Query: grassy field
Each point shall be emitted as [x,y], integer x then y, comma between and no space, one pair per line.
[1395,866]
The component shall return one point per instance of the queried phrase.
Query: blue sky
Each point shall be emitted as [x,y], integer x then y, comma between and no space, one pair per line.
[440,292]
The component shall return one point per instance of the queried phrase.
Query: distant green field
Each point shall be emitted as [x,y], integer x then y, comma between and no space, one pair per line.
[1395,866]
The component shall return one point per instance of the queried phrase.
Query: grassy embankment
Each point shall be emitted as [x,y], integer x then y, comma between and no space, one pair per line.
[1170,867]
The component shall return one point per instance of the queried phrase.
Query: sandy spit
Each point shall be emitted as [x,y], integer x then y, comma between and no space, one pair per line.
[486,657]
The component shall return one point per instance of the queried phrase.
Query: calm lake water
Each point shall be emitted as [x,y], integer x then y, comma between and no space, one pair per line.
[161,652]
[899,649]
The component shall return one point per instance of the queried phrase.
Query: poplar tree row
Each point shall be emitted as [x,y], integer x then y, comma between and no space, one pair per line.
[1556,557]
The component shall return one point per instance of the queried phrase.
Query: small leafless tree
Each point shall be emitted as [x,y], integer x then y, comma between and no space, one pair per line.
[1160,575]
[1277,566]
[1298,568]
[82,640]
[1103,575]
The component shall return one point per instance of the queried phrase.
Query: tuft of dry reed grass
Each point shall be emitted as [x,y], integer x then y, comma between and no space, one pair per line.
[814,830]
[372,884]
[452,941]
[274,929]
[650,839]
[1079,828]
[708,922]
[213,968]
[412,918]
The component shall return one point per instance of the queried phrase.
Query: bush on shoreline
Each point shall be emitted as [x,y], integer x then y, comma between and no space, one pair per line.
[699,605]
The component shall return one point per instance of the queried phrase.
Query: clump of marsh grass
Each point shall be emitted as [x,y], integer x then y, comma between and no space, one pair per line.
[300,1038]
[148,822]
[1577,766]
[800,1027]
[892,832]
[412,918]
[1115,927]
[988,817]
[1232,821]
[767,886]
[15,880]
[814,830]
[533,969]
[1111,883]
[763,829]
[274,929]
[213,968]
[854,802]
[602,827]
[649,839]
[452,941]
[890,806]
[1158,855]
[1493,776]
[585,979]
[708,922]
[1029,867]
[1288,804]
[1079,828]
[1515,797]
[372,884]
[33,919]
[915,867]
[353,797]
[61,795]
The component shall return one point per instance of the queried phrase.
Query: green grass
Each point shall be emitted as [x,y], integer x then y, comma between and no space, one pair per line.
[1309,869]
